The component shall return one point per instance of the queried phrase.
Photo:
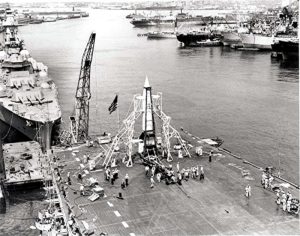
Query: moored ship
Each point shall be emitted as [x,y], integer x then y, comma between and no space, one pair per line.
[29,108]
[288,48]
[195,38]
[259,41]
[143,21]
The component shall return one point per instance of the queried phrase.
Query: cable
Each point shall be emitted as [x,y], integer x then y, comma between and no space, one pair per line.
[12,115]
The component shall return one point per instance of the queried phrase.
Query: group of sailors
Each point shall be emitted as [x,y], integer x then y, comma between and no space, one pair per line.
[285,199]
[267,180]
[172,176]
[111,175]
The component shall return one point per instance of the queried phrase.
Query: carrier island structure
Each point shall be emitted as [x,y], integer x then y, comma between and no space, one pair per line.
[29,108]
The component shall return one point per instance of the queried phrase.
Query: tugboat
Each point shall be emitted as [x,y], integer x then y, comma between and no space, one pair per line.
[199,38]
[29,108]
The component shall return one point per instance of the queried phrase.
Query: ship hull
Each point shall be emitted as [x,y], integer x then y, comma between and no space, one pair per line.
[14,128]
[230,38]
[257,41]
[288,49]
[188,39]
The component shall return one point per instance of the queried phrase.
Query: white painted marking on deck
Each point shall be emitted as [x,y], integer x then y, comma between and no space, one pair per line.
[132,234]
[110,204]
[77,159]
[125,224]
[117,213]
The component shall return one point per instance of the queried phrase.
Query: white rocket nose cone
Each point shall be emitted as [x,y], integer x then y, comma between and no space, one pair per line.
[146,84]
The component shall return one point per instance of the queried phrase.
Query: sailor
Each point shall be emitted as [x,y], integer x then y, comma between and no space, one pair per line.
[79,177]
[283,196]
[180,154]
[284,205]
[126,180]
[153,170]
[192,172]
[69,179]
[186,174]
[197,171]
[199,151]
[210,155]
[116,173]
[271,178]
[278,199]
[248,191]
[263,179]
[147,170]
[158,177]
[112,179]
[288,205]
[266,183]
[179,178]
[123,184]
[178,167]
[152,182]
[201,172]
[81,189]
[170,167]
[107,174]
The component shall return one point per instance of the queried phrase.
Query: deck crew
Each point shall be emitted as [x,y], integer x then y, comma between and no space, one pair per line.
[178,167]
[123,185]
[201,173]
[288,205]
[126,180]
[153,170]
[179,178]
[147,170]
[263,179]
[112,179]
[152,182]
[283,201]
[69,179]
[210,155]
[81,189]
[158,177]
[278,199]
[248,191]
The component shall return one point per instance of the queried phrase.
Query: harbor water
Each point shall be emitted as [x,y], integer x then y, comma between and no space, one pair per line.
[244,97]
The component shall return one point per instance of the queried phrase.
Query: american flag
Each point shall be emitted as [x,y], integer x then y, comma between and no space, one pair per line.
[114,105]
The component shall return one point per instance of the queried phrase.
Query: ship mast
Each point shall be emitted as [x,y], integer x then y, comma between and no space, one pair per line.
[80,123]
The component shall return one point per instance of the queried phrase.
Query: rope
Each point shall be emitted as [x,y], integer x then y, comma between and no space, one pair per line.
[12,115]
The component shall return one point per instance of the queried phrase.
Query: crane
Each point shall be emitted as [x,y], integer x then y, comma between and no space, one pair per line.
[80,122]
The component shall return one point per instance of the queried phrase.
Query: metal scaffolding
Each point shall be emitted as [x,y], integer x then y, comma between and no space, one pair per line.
[126,133]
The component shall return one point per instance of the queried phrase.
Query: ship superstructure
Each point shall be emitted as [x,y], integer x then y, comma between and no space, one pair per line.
[29,108]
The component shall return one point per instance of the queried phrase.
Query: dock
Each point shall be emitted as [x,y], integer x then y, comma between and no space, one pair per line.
[215,205]
[24,164]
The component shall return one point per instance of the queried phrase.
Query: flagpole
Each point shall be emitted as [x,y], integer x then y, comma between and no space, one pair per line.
[118,115]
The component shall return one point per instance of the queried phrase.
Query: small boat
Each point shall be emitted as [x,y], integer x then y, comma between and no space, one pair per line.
[49,19]
[161,35]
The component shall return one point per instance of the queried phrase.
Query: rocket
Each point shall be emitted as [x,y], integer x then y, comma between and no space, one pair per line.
[148,125]
[147,107]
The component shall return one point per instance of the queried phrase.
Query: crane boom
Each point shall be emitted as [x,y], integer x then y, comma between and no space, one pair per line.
[80,123]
